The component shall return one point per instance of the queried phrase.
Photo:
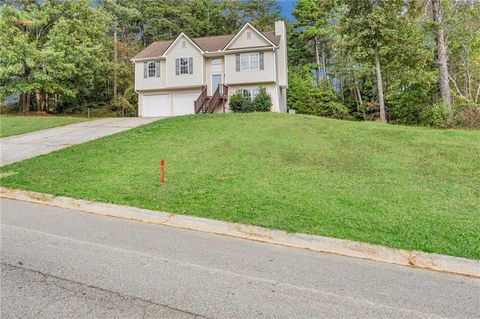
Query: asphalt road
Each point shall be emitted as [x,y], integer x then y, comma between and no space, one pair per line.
[20,147]
[59,263]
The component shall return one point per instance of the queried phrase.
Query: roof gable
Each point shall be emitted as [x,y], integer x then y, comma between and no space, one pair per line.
[248,36]
[180,36]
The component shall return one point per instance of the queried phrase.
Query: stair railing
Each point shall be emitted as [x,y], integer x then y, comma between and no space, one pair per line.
[200,101]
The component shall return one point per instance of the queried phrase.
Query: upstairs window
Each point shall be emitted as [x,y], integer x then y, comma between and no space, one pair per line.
[151,69]
[184,66]
[250,61]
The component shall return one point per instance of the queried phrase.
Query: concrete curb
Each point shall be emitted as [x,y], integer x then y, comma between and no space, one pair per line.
[435,262]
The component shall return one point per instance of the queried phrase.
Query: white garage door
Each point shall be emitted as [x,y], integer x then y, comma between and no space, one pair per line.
[184,102]
[156,105]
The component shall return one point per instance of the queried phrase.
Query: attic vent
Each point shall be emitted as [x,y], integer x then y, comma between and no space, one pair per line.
[184,44]
[249,35]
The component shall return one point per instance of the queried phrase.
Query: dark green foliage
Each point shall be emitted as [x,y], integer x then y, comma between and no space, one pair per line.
[306,98]
[435,116]
[261,103]
[347,32]
[240,104]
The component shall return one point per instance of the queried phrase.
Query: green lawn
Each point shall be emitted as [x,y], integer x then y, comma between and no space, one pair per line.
[14,125]
[405,187]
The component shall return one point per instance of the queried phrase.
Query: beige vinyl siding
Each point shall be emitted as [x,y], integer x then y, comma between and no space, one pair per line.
[232,76]
[142,83]
[177,51]
[242,41]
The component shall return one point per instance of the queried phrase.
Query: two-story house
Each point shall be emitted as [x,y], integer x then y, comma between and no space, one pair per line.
[197,75]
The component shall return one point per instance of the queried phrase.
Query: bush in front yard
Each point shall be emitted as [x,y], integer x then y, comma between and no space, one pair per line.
[240,104]
[261,103]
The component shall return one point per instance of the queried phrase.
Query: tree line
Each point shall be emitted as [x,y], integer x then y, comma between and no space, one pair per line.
[400,61]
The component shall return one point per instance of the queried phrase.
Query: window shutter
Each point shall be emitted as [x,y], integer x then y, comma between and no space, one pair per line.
[177,66]
[157,69]
[262,63]
[190,65]
[145,69]
[237,60]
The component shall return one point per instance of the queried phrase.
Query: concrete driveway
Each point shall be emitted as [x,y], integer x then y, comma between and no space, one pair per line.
[17,148]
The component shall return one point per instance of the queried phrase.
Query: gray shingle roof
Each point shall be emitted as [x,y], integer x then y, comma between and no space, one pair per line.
[207,44]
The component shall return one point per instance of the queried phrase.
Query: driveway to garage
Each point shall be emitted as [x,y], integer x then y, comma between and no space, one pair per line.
[17,148]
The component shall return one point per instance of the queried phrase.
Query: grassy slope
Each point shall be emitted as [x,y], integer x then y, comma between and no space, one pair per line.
[14,125]
[400,186]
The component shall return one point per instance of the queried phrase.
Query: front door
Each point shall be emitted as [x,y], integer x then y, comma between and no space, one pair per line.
[216,81]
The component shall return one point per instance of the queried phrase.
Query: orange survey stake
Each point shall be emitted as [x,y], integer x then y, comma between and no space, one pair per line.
[162,171]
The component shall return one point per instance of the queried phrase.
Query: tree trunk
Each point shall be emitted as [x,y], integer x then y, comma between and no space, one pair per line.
[115,58]
[442,63]
[381,102]
[317,56]
[47,102]
[324,64]
[38,99]
[24,102]
[342,88]
[21,103]
[359,95]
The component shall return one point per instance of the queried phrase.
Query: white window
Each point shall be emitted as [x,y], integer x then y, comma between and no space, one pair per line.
[216,62]
[249,61]
[184,44]
[250,93]
[151,69]
[249,35]
[184,66]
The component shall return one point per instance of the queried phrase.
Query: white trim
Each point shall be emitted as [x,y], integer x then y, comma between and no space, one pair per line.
[241,30]
[224,69]
[166,73]
[149,58]
[175,41]
[275,67]
[149,63]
